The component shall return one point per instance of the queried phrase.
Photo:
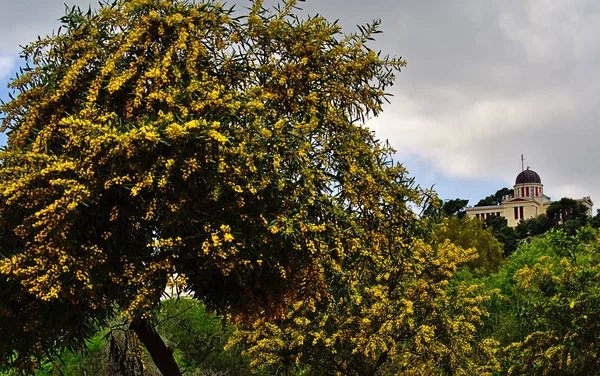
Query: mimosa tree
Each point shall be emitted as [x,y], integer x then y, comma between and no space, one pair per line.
[161,142]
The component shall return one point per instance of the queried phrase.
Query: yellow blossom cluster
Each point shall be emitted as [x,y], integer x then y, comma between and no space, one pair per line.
[399,316]
[561,293]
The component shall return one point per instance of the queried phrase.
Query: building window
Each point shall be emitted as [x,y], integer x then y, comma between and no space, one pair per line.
[498,214]
[521,211]
[537,191]
[516,213]
[522,192]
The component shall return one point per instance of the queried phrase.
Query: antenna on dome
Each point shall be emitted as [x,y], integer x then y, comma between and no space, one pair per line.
[522,163]
[522,176]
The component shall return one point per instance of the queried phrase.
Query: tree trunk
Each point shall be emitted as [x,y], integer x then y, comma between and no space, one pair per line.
[160,353]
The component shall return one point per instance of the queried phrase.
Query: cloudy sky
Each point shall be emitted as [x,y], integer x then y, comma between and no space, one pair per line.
[486,81]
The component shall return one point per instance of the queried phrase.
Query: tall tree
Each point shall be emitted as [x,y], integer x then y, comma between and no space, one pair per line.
[534,226]
[160,142]
[595,220]
[567,213]
[496,198]
[455,207]
[471,233]
[447,208]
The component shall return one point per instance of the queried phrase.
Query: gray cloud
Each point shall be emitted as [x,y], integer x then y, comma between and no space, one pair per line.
[485,82]
[23,20]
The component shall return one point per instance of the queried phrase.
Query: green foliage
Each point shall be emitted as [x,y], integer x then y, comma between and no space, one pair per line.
[563,295]
[454,207]
[199,338]
[545,313]
[392,317]
[568,214]
[534,226]
[448,208]
[595,220]
[508,315]
[470,233]
[496,198]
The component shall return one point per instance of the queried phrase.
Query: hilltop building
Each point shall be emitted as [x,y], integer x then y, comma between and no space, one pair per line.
[528,201]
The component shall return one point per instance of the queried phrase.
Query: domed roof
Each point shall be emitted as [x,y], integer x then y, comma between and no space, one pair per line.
[528,176]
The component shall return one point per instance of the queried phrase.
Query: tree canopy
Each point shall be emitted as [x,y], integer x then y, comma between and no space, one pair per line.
[157,143]
[446,208]
[546,311]
[496,198]
[567,213]
[470,233]
[398,314]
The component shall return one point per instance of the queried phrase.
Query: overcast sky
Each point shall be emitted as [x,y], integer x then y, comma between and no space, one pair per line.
[486,81]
